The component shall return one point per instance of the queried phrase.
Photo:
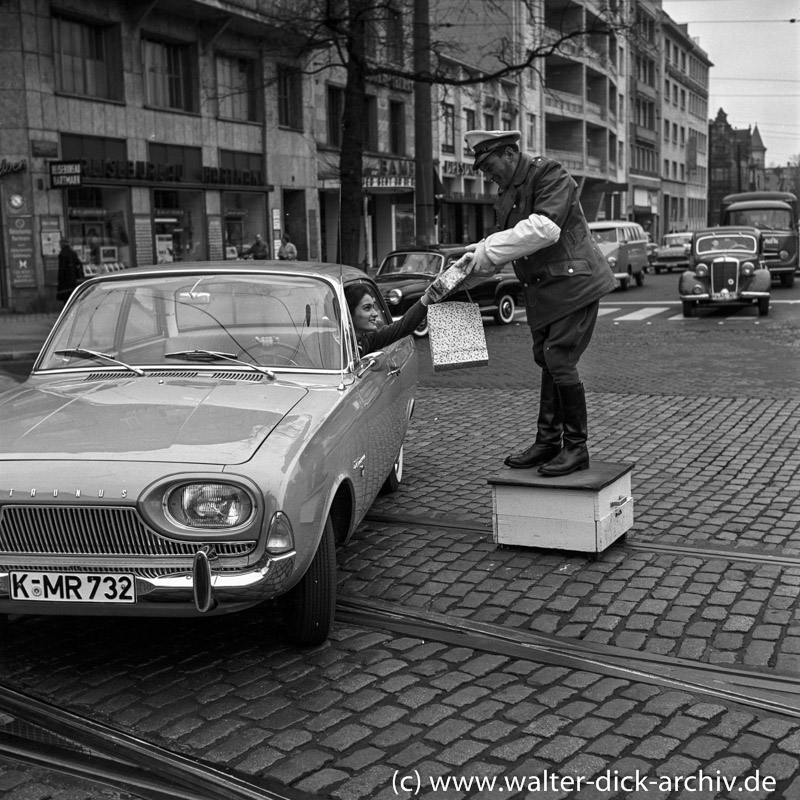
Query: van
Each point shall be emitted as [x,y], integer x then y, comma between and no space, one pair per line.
[624,244]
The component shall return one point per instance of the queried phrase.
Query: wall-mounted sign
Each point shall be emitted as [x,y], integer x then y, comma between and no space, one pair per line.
[41,148]
[65,174]
[20,252]
[9,167]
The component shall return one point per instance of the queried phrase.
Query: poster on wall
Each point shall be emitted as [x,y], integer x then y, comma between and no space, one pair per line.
[50,240]
[20,252]
[164,253]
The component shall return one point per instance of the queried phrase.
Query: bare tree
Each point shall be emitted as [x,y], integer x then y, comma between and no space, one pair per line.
[356,36]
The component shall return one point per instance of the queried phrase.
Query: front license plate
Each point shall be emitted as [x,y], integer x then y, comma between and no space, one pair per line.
[66,587]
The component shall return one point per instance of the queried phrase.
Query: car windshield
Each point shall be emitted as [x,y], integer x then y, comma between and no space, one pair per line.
[765,218]
[268,321]
[676,239]
[605,235]
[720,243]
[412,263]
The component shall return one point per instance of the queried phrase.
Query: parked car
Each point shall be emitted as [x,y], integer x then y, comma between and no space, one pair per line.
[404,275]
[652,249]
[673,252]
[624,244]
[195,439]
[727,267]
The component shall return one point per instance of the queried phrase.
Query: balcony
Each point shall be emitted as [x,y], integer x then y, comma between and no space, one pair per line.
[563,103]
[568,158]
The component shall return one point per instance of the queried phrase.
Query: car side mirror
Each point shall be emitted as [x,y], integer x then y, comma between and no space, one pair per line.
[371,362]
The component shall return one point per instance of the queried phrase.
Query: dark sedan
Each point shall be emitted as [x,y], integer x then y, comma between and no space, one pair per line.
[404,275]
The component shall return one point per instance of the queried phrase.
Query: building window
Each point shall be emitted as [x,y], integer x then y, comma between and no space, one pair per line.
[397,128]
[290,98]
[469,119]
[394,37]
[488,122]
[449,119]
[335,112]
[531,132]
[170,75]
[236,89]
[371,125]
[87,59]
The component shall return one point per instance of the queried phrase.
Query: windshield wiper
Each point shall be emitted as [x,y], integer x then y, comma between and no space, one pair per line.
[211,355]
[82,351]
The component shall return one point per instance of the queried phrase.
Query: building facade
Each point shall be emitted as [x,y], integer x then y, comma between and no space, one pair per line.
[145,134]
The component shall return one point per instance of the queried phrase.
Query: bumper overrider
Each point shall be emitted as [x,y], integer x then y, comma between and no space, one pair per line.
[203,589]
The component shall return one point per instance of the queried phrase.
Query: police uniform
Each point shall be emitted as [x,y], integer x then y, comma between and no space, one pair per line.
[540,226]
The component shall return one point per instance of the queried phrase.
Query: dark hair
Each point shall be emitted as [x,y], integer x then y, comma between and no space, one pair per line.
[353,294]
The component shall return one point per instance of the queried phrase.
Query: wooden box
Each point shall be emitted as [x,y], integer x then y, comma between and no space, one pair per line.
[585,511]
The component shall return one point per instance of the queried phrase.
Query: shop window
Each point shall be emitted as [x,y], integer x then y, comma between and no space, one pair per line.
[236,89]
[87,59]
[98,227]
[170,75]
[290,97]
[179,225]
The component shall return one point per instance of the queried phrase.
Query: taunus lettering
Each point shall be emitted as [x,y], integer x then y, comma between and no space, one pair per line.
[77,493]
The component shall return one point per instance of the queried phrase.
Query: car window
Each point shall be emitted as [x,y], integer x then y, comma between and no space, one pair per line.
[605,235]
[718,243]
[270,320]
[412,263]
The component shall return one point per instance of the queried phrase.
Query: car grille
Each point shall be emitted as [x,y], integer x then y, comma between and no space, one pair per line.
[725,275]
[94,532]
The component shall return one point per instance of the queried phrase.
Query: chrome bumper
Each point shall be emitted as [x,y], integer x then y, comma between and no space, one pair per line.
[198,591]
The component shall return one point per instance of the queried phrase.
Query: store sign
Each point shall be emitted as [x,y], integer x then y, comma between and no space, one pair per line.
[9,167]
[64,174]
[388,173]
[457,168]
[20,251]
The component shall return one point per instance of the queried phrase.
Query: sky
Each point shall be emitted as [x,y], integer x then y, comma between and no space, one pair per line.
[756,74]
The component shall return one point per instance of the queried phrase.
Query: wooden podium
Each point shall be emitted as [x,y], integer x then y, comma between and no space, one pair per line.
[585,511]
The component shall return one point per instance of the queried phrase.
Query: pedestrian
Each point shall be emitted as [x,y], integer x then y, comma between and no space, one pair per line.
[70,271]
[258,250]
[287,251]
[540,226]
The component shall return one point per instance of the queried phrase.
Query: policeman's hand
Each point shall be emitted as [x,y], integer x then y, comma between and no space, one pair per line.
[480,265]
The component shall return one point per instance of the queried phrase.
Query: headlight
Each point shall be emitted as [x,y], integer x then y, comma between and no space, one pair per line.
[280,538]
[612,261]
[701,270]
[394,297]
[217,506]
[748,268]
[784,255]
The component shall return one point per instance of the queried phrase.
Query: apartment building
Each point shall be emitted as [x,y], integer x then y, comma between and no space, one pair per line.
[147,133]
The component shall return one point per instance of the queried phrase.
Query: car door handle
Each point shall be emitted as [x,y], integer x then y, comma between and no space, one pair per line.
[395,371]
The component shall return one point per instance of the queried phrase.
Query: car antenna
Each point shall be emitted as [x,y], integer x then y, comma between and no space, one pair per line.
[342,307]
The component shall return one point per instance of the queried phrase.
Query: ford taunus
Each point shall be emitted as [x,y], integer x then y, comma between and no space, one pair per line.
[196,439]
[726,268]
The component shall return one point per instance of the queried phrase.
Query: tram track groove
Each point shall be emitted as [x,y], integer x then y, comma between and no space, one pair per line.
[725,553]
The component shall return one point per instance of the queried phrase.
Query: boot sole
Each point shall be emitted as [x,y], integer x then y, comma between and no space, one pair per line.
[560,474]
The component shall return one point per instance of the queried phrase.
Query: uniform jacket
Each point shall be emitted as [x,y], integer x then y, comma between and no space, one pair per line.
[562,277]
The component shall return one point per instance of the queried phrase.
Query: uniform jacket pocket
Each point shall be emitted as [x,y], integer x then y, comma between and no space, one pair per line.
[566,269]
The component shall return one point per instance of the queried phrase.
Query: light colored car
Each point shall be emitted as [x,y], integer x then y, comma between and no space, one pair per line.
[624,244]
[673,252]
[196,439]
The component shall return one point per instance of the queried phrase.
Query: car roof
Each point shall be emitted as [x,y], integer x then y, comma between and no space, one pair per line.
[306,268]
[729,230]
[612,223]
[445,249]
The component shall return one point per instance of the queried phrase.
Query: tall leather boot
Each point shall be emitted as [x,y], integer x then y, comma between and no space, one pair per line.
[574,455]
[548,430]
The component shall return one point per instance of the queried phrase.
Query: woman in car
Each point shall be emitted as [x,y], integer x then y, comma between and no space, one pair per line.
[366,314]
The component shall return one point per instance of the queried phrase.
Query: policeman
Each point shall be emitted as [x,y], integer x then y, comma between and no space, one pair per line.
[540,226]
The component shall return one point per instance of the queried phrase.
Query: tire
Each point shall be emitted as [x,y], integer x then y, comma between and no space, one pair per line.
[421,331]
[787,280]
[640,278]
[506,308]
[688,309]
[763,306]
[658,270]
[624,283]
[308,608]
[395,477]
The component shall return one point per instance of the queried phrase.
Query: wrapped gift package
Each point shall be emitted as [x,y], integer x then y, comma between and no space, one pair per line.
[456,336]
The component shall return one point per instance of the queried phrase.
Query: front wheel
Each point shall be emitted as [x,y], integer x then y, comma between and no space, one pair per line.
[763,306]
[395,477]
[787,280]
[506,308]
[309,607]
[421,331]
[640,278]
[688,308]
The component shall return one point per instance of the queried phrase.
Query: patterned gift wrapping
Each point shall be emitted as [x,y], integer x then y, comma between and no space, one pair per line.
[456,336]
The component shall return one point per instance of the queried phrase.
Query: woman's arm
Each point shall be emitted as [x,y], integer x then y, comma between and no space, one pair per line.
[375,340]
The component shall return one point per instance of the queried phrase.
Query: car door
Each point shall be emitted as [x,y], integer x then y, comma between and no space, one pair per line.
[386,390]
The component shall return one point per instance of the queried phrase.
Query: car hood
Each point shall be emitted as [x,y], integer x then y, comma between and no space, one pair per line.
[142,419]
